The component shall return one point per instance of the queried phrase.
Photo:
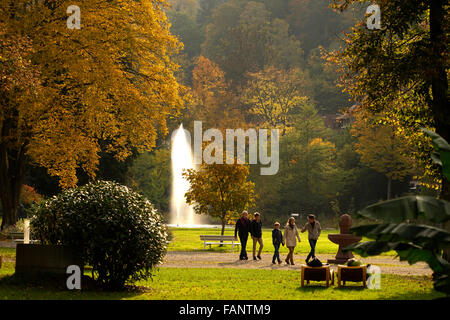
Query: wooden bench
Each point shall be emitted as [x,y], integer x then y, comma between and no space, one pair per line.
[354,274]
[18,237]
[323,273]
[210,240]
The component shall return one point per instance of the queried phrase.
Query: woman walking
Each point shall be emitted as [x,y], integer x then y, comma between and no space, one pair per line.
[290,237]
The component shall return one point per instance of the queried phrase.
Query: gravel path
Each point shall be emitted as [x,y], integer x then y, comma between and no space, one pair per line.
[202,259]
[177,259]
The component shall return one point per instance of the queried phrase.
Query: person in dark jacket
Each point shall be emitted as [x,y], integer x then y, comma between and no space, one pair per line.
[277,240]
[243,227]
[256,232]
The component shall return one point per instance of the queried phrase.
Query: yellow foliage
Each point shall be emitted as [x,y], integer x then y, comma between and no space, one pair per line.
[273,94]
[111,81]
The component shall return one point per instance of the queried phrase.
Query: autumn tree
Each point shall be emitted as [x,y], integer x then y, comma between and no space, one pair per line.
[306,180]
[220,190]
[112,81]
[314,23]
[213,101]
[182,16]
[274,95]
[310,159]
[20,89]
[402,70]
[243,37]
[382,148]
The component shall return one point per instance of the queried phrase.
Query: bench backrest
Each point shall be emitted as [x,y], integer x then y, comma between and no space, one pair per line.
[16,235]
[217,238]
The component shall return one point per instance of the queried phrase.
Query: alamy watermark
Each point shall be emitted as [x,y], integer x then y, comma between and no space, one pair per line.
[374,277]
[74,20]
[374,19]
[259,151]
[74,280]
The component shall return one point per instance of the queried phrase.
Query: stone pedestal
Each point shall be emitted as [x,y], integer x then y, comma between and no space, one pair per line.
[343,239]
[48,259]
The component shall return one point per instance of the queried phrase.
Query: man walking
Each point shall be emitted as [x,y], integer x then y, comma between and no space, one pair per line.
[243,227]
[256,232]
[314,230]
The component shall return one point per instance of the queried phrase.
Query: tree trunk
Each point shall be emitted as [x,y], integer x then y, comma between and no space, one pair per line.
[11,179]
[389,183]
[439,86]
[223,231]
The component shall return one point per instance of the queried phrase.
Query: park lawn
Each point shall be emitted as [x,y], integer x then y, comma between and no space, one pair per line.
[187,239]
[227,284]
[9,253]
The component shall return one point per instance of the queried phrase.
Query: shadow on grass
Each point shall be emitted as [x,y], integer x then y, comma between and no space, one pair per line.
[49,286]
[313,287]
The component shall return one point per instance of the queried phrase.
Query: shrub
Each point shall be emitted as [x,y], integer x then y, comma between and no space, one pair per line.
[117,231]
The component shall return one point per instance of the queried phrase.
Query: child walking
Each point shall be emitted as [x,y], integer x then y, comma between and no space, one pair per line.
[277,239]
[314,229]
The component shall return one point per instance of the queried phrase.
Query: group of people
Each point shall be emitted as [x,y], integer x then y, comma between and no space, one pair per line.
[289,237]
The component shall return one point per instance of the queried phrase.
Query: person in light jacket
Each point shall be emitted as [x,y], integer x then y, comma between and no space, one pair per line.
[290,237]
[314,229]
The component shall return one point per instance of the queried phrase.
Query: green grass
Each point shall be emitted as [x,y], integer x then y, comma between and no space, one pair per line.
[8,253]
[186,239]
[229,284]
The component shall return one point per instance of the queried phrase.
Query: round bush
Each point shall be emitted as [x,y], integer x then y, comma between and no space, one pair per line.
[117,231]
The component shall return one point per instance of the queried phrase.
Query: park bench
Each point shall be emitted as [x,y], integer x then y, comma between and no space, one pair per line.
[210,240]
[17,237]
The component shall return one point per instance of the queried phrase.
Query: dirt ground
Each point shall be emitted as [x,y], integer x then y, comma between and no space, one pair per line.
[175,259]
[204,259]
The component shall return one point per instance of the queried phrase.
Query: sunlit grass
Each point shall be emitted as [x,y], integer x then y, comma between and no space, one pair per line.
[230,284]
[186,239]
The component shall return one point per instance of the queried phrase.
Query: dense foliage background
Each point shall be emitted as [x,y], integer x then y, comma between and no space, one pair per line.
[234,51]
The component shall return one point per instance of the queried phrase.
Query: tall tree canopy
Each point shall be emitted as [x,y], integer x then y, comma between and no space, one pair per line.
[111,81]
[275,96]
[402,68]
[243,37]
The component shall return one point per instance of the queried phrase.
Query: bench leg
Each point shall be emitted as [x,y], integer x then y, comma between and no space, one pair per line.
[328,278]
[364,276]
[303,277]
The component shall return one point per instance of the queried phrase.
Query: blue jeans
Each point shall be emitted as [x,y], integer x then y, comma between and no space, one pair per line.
[276,255]
[312,253]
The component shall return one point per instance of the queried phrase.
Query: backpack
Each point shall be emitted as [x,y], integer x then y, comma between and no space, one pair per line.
[314,263]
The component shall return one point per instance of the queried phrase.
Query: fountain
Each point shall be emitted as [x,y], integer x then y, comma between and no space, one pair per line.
[343,239]
[181,213]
